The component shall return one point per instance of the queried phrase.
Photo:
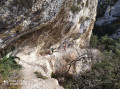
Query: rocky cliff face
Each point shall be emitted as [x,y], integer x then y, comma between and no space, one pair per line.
[108,17]
[32,27]
[51,21]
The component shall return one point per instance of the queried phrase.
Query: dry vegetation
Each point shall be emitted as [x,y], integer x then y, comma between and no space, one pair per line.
[67,71]
[45,52]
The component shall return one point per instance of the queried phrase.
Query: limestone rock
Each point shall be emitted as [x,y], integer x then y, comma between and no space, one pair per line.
[57,20]
[33,27]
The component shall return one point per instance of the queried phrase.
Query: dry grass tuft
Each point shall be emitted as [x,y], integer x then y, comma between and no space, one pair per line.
[45,52]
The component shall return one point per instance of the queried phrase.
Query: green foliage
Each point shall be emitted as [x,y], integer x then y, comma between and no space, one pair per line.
[104,74]
[39,75]
[7,65]
[94,41]
[107,43]
[74,8]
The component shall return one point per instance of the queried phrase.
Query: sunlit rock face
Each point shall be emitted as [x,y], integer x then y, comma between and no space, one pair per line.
[48,22]
[34,26]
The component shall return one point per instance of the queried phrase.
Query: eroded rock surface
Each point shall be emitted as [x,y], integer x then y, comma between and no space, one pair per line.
[59,62]
[53,19]
[33,27]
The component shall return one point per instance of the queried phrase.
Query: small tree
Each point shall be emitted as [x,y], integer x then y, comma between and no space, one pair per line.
[94,41]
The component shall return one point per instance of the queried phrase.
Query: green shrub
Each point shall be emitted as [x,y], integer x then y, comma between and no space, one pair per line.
[7,65]
[39,75]
[103,75]
[108,43]
[94,41]
[9,69]
[74,8]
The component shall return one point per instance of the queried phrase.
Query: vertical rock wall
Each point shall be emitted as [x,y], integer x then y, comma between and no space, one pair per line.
[52,22]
